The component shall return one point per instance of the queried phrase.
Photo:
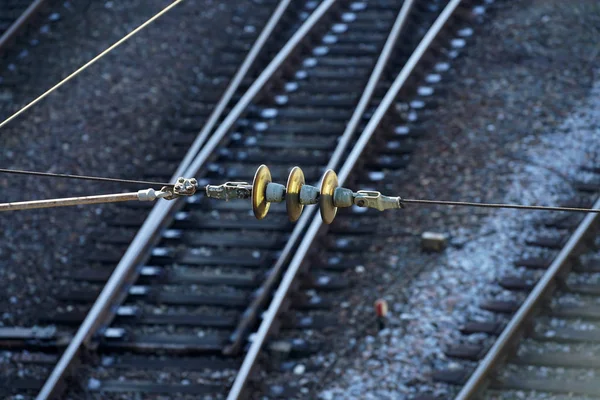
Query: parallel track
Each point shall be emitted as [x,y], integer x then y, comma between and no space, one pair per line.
[191,297]
[548,344]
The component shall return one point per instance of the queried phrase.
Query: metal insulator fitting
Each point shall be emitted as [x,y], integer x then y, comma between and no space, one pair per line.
[372,199]
[275,192]
[309,195]
[185,187]
[147,195]
[229,191]
[343,197]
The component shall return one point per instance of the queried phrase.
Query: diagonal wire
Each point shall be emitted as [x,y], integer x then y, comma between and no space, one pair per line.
[89,63]
[82,177]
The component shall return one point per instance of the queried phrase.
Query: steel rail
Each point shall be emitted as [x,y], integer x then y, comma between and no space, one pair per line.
[289,276]
[253,311]
[478,380]
[126,271]
[19,25]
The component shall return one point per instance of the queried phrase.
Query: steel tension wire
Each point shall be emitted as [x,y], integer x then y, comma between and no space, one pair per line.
[243,190]
[498,205]
[89,63]
[83,177]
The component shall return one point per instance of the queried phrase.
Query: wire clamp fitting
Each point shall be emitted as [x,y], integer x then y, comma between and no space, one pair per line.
[229,191]
[182,187]
[372,199]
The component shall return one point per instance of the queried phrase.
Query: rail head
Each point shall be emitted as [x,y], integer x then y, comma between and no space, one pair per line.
[477,382]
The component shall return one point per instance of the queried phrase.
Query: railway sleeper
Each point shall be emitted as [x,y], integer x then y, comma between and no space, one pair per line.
[269,142]
[358,61]
[454,376]
[550,242]
[579,359]
[501,306]
[341,100]
[15,386]
[292,114]
[123,340]
[493,328]
[281,157]
[128,315]
[326,86]
[266,241]
[526,381]
[151,387]
[466,351]
[544,333]
[318,128]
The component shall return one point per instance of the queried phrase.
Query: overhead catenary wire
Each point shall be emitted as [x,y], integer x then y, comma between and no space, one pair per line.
[89,63]
[499,205]
[402,200]
[82,177]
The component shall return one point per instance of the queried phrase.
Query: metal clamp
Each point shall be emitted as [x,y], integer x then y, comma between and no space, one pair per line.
[372,199]
[229,191]
[183,187]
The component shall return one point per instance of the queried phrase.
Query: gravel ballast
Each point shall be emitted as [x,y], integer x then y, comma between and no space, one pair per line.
[518,119]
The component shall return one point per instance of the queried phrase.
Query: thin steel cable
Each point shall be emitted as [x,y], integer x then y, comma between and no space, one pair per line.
[89,63]
[498,205]
[82,177]
[402,200]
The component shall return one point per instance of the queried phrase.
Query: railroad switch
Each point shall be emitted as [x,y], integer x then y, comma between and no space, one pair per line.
[330,196]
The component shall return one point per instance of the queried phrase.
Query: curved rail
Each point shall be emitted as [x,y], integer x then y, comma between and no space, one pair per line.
[309,237]
[511,334]
[20,24]
[114,292]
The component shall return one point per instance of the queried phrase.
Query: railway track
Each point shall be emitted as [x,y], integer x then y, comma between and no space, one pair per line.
[175,311]
[544,339]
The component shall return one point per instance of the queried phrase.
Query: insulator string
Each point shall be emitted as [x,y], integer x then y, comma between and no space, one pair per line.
[82,177]
[89,63]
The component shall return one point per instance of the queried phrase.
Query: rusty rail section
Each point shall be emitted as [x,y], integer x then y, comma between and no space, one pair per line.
[513,332]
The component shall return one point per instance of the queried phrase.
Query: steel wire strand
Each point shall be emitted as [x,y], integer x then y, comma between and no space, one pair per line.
[82,177]
[498,205]
[89,63]
[402,200]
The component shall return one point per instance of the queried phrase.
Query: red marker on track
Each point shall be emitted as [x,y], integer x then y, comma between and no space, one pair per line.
[381,310]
